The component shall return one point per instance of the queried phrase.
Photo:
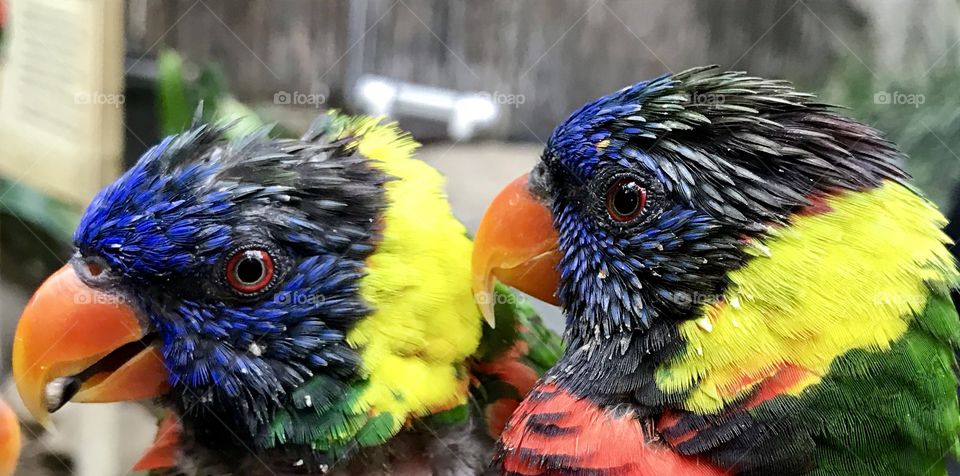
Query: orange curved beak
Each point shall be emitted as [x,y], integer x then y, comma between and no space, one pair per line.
[77,343]
[9,440]
[515,244]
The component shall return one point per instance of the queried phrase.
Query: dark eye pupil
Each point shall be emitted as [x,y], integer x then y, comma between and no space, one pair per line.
[249,270]
[627,198]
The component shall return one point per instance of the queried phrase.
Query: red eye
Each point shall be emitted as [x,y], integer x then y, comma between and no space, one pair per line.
[626,199]
[250,271]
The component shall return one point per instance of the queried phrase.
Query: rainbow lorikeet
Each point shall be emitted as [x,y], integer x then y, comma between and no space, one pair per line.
[300,306]
[750,284]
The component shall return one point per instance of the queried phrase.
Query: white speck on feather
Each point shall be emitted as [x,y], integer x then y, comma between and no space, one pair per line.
[255,349]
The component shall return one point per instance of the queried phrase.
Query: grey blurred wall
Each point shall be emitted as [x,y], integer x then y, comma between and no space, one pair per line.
[554,53]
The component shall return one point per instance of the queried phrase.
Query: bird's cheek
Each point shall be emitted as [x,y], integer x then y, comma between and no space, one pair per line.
[74,342]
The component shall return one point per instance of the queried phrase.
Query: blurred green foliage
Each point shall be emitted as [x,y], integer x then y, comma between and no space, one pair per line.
[35,231]
[49,214]
[918,114]
[178,98]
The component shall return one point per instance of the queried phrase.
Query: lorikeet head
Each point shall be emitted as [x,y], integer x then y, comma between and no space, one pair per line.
[749,282]
[266,283]
[654,192]
[237,262]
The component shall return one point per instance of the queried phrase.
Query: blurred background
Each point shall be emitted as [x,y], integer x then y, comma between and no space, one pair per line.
[86,86]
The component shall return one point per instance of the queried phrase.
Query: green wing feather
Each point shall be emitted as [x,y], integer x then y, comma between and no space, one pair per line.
[910,403]
[889,412]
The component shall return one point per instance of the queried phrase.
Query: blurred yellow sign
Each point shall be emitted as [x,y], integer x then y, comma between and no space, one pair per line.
[61,96]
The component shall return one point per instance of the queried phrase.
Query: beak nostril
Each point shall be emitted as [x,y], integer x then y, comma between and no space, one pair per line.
[91,267]
[95,269]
